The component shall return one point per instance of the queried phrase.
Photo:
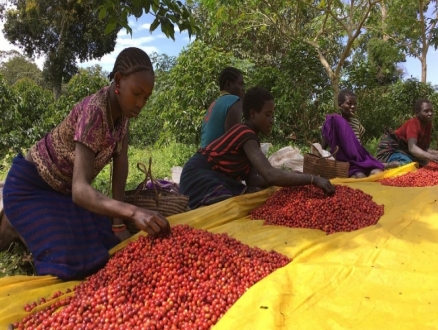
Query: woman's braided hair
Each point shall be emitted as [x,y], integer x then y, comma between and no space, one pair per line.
[131,60]
[228,74]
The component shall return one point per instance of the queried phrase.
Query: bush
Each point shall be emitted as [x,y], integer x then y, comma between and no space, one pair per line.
[391,106]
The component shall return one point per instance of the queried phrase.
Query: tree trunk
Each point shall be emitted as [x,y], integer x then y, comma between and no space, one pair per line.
[56,89]
[384,13]
[423,67]
[335,87]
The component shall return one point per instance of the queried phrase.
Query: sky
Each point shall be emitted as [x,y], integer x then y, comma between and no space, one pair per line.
[157,42]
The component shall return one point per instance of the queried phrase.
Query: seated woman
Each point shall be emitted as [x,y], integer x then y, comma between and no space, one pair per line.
[215,172]
[225,111]
[410,143]
[345,131]
[48,197]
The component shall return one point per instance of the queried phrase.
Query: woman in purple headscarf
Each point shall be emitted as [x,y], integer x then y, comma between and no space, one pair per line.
[345,131]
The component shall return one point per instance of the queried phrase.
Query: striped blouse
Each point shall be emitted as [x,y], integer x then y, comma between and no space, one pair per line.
[226,154]
[357,128]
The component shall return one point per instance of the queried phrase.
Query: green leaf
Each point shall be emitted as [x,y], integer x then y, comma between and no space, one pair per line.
[154,24]
[102,13]
[110,27]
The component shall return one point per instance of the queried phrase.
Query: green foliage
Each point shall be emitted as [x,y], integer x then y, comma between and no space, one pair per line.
[392,105]
[16,261]
[146,129]
[184,94]
[63,31]
[22,107]
[14,66]
[29,111]
[168,13]
[163,159]
[374,64]
[302,94]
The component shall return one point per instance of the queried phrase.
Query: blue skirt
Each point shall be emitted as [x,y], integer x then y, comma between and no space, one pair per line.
[65,239]
[204,186]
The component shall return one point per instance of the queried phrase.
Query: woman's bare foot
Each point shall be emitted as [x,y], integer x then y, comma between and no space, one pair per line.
[8,234]
[358,175]
[389,165]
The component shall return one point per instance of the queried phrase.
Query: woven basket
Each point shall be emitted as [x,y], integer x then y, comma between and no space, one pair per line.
[165,202]
[324,167]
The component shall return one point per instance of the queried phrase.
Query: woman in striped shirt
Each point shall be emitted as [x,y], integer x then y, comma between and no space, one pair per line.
[215,172]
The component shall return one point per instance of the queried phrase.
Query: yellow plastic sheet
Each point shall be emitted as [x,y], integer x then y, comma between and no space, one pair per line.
[379,277]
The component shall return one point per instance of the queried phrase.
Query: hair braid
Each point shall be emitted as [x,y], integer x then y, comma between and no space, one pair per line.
[131,60]
[228,74]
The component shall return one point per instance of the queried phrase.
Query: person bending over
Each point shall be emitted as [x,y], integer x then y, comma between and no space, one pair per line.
[410,143]
[215,172]
[48,197]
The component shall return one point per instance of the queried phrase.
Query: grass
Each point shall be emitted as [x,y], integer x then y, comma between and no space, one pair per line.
[16,261]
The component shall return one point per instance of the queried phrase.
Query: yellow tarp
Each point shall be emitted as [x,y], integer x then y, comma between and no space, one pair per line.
[380,277]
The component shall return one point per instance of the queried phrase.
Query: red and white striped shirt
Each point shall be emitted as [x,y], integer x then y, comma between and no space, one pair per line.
[226,154]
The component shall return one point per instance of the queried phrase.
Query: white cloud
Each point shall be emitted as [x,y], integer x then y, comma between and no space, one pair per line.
[6,45]
[145,26]
[132,22]
[134,42]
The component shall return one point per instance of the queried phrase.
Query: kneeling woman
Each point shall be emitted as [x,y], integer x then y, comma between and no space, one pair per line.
[410,143]
[215,172]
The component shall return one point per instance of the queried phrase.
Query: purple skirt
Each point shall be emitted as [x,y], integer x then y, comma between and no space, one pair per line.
[65,239]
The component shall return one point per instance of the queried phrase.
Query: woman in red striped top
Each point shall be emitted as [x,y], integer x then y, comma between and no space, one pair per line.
[216,172]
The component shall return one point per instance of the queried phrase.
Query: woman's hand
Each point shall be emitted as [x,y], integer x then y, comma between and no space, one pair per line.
[123,235]
[151,222]
[433,158]
[324,184]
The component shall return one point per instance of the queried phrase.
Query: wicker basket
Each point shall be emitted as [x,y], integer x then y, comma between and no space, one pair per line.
[166,202]
[324,167]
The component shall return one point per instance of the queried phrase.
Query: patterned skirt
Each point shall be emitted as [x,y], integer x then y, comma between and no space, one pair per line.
[205,186]
[65,240]
[390,144]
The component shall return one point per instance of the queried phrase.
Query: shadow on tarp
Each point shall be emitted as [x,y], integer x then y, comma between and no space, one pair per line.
[383,276]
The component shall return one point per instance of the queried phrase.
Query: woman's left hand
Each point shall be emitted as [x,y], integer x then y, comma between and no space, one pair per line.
[122,235]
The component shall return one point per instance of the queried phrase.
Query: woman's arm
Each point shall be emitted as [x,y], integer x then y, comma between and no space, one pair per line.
[119,175]
[420,153]
[255,180]
[276,177]
[86,196]
[234,115]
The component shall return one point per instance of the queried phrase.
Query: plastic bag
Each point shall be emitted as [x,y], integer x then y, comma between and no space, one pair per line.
[265,147]
[176,173]
[316,149]
[287,158]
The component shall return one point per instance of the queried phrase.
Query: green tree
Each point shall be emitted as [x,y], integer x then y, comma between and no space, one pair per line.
[63,31]
[23,106]
[144,130]
[15,66]
[167,14]
[324,25]
[183,95]
[412,24]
